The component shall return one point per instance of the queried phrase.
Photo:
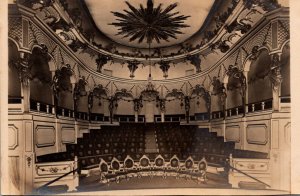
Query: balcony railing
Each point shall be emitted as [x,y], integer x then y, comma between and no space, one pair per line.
[251,107]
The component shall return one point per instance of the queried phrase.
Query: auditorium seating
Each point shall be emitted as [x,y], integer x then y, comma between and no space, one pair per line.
[119,152]
[186,141]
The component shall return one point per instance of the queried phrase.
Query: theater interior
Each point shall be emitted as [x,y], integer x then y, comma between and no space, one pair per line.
[179,96]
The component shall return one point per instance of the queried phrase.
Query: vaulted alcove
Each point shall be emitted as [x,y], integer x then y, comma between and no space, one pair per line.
[259,84]
[41,77]
[14,85]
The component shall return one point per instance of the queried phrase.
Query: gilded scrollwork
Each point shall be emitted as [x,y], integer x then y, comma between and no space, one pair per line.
[275,73]
[23,67]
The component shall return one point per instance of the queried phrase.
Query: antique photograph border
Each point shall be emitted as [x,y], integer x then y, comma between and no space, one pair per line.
[295,115]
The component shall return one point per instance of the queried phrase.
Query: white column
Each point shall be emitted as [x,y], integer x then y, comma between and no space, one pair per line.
[246,93]
[136,116]
[162,114]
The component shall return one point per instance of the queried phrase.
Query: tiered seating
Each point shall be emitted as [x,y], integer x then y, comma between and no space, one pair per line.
[119,152]
[185,141]
[109,142]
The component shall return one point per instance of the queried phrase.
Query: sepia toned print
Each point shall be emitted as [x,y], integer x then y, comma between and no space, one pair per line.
[149,97]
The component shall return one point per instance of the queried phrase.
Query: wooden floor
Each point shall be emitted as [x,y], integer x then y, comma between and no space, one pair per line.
[216,185]
[91,183]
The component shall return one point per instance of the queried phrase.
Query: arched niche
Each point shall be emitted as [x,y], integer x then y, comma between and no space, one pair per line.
[259,85]
[234,98]
[82,93]
[285,72]
[215,103]
[41,77]
[174,107]
[215,90]
[201,100]
[65,99]
[200,105]
[125,108]
[98,103]
[14,85]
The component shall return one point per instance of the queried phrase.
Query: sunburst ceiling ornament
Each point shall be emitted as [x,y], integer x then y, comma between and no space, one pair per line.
[150,23]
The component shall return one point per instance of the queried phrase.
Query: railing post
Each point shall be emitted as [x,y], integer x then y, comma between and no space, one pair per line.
[237,111]
[53,110]
[63,112]
[229,112]
[263,105]
[253,107]
[73,114]
[47,109]
[231,160]
[38,106]
[69,113]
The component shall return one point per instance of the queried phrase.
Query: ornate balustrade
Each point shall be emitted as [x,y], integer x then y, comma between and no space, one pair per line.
[251,107]
[114,169]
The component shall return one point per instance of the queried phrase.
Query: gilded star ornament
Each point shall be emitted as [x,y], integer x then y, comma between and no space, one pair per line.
[150,23]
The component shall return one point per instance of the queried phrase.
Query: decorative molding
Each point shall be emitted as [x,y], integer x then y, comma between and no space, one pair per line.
[232,130]
[101,61]
[28,136]
[164,66]
[149,23]
[29,160]
[132,66]
[40,31]
[258,129]
[196,61]
[47,170]
[252,166]
[47,137]
[275,73]
[13,137]
[68,135]
[287,133]
[217,129]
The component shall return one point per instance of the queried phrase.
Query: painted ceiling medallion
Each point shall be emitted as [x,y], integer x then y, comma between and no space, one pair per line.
[150,23]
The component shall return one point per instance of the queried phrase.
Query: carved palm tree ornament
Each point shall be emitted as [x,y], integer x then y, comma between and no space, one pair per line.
[150,23]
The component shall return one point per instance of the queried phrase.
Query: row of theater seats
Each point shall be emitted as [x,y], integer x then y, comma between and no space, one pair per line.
[129,139]
[128,168]
[109,140]
[193,141]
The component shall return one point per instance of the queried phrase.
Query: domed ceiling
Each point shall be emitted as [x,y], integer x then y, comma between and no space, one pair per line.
[193,12]
[174,39]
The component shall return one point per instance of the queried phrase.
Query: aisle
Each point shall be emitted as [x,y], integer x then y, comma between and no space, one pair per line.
[150,140]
